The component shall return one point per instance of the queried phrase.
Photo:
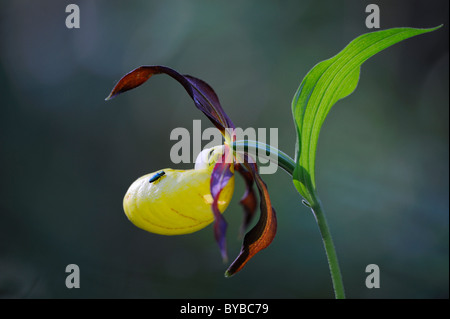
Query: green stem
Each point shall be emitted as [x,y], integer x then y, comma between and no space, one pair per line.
[261,149]
[288,164]
[333,262]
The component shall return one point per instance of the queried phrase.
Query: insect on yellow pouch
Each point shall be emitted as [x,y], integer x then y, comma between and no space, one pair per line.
[176,202]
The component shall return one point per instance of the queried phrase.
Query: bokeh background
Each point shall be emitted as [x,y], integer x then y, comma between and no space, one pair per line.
[68,157]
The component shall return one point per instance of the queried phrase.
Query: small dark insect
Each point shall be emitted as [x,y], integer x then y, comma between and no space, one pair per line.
[157,176]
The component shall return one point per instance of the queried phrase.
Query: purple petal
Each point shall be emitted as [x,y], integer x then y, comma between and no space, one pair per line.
[220,177]
[263,233]
[248,200]
[203,95]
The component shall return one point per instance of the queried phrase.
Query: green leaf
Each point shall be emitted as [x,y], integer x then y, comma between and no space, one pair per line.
[328,82]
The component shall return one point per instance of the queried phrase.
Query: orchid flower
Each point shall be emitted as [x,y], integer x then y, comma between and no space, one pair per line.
[175,202]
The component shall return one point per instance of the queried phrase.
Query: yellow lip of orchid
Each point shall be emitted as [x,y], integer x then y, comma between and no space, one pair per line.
[178,202]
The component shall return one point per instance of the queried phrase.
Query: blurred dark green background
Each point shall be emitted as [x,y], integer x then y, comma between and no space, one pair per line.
[68,157]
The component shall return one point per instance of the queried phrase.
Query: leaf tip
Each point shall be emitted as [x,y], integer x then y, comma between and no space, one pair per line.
[433,28]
